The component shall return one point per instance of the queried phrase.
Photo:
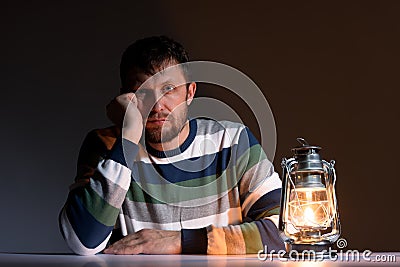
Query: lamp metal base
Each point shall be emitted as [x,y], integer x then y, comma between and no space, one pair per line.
[309,251]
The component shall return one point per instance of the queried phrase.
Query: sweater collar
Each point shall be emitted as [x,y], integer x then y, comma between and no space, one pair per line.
[178,150]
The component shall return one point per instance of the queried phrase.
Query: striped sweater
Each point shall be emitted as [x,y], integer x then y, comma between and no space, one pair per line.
[218,188]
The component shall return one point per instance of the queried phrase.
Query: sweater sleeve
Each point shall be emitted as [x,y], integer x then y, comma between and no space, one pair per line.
[92,207]
[260,190]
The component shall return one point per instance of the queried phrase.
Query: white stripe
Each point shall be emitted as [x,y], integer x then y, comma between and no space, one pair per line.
[271,183]
[202,145]
[73,241]
[220,196]
[115,172]
[133,225]
[230,216]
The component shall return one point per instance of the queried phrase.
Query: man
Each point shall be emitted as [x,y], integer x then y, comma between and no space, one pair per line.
[186,186]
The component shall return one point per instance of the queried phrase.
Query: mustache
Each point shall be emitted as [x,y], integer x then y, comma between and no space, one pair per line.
[157,116]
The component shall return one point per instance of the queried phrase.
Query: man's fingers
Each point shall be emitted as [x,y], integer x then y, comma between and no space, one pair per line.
[130,250]
[127,245]
[148,241]
[130,96]
[125,249]
[127,96]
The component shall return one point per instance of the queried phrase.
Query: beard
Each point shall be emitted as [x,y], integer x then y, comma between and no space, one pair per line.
[169,130]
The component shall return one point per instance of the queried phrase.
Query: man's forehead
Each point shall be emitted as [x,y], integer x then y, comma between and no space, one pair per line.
[172,74]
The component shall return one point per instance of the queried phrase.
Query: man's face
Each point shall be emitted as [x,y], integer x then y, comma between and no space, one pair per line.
[163,101]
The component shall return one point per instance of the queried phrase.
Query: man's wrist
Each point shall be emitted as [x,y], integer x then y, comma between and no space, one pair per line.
[179,242]
[132,134]
[194,241]
[124,152]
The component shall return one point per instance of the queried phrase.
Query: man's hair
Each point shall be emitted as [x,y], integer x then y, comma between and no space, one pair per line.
[149,54]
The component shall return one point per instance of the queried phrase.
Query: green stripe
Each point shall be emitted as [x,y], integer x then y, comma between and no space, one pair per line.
[251,157]
[252,237]
[197,181]
[136,194]
[175,193]
[270,212]
[98,207]
[198,188]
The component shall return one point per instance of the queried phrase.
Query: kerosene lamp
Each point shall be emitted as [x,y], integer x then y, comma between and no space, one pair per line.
[309,218]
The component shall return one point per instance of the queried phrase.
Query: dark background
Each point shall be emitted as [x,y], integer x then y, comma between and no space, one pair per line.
[328,69]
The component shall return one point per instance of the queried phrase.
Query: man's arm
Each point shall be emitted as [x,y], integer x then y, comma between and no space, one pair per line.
[103,178]
[91,210]
[257,231]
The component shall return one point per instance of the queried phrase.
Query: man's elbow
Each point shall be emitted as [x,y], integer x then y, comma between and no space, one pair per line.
[83,251]
[75,243]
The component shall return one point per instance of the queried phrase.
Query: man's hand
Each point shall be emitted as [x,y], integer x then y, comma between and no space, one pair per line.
[125,105]
[148,241]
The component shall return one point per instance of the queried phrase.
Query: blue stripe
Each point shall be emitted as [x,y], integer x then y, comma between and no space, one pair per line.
[194,241]
[270,235]
[196,167]
[90,232]
[246,141]
[268,201]
[188,169]
[124,152]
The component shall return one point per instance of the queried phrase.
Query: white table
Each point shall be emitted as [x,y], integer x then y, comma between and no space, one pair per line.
[47,260]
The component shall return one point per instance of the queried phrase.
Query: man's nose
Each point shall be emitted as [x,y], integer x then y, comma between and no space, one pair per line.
[157,107]
[158,101]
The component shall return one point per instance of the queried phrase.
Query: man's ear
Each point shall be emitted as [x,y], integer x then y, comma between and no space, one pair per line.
[190,93]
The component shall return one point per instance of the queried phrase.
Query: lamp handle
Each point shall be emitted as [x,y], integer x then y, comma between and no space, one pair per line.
[330,169]
[287,166]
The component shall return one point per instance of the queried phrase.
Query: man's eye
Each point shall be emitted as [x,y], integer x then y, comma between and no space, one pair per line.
[168,88]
